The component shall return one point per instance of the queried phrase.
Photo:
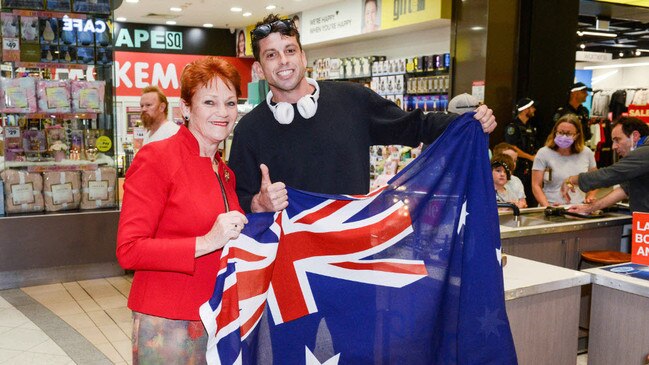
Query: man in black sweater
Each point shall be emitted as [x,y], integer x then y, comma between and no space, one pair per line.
[324,146]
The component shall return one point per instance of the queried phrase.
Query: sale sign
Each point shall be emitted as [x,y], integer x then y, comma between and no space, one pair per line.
[639,111]
[640,243]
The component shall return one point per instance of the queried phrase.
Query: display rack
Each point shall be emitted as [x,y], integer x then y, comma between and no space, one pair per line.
[59,176]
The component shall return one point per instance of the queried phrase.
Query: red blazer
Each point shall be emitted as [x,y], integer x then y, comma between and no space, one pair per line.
[171,196]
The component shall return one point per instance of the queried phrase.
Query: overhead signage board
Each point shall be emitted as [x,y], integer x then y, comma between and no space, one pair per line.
[398,13]
[585,56]
[149,38]
[334,21]
[134,71]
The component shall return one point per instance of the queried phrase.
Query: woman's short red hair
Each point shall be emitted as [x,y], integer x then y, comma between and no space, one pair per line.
[201,72]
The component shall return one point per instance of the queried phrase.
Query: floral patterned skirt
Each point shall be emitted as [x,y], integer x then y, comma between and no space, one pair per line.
[158,340]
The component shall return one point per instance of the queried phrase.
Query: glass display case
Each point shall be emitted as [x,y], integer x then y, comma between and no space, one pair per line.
[56,111]
[58,215]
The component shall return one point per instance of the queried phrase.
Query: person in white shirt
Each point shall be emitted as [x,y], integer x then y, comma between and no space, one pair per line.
[154,107]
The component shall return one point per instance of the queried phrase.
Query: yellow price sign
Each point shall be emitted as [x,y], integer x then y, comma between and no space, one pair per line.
[104,144]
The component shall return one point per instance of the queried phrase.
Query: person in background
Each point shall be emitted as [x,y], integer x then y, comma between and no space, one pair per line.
[463,103]
[180,208]
[514,184]
[305,129]
[577,96]
[155,108]
[501,171]
[564,153]
[523,137]
[241,44]
[370,11]
[632,172]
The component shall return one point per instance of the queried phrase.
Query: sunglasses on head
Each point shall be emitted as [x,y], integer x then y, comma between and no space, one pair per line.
[265,29]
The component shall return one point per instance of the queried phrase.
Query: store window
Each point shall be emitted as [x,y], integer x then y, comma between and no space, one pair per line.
[56,111]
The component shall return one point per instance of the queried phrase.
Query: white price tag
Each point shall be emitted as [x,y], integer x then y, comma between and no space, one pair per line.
[10,44]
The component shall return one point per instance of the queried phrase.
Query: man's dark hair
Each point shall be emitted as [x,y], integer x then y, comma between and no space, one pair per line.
[630,124]
[271,18]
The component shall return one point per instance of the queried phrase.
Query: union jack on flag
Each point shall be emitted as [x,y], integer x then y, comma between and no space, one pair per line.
[408,274]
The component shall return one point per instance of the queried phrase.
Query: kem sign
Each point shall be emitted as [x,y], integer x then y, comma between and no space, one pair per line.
[84,25]
[158,39]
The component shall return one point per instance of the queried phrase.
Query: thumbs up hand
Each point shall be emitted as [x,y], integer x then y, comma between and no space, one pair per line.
[272,197]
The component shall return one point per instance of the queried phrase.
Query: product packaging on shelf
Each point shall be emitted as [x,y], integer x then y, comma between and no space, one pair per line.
[23,4]
[59,5]
[34,141]
[19,95]
[62,190]
[49,31]
[88,96]
[23,191]
[53,96]
[10,25]
[98,188]
[92,6]
[29,29]
[75,138]
[13,143]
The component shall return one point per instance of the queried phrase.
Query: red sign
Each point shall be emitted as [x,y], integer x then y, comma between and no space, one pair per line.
[640,243]
[639,111]
[134,71]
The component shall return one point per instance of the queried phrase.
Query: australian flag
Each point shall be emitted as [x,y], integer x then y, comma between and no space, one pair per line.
[408,274]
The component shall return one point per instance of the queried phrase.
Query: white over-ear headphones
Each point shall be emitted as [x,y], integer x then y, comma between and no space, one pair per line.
[306,106]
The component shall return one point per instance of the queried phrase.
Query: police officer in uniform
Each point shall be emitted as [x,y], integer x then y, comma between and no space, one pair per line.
[578,95]
[524,137]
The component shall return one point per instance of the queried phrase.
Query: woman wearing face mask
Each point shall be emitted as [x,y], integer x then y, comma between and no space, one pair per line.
[564,155]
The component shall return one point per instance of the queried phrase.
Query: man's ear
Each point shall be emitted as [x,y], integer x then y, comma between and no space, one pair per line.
[304,58]
[258,70]
[635,136]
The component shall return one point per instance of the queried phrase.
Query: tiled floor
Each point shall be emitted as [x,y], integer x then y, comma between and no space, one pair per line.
[94,310]
[83,322]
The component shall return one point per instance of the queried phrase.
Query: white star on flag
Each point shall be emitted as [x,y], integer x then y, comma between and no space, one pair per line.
[312,360]
[462,222]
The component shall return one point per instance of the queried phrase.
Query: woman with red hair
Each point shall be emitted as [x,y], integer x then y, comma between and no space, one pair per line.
[180,208]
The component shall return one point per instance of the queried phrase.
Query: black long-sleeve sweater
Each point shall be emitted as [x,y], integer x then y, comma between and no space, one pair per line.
[328,153]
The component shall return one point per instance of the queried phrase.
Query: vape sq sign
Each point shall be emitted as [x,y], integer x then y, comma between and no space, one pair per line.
[640,246]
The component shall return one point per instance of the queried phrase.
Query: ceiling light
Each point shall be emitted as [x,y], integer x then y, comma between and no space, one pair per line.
[170,22]
[638,53]
[621,54]
[596,34]
[477,28]
[271,7]
[236,9]
[247,13]
[120,19]
[642,50]
[176,9]
[133,1]
[208,25]
[582,46]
